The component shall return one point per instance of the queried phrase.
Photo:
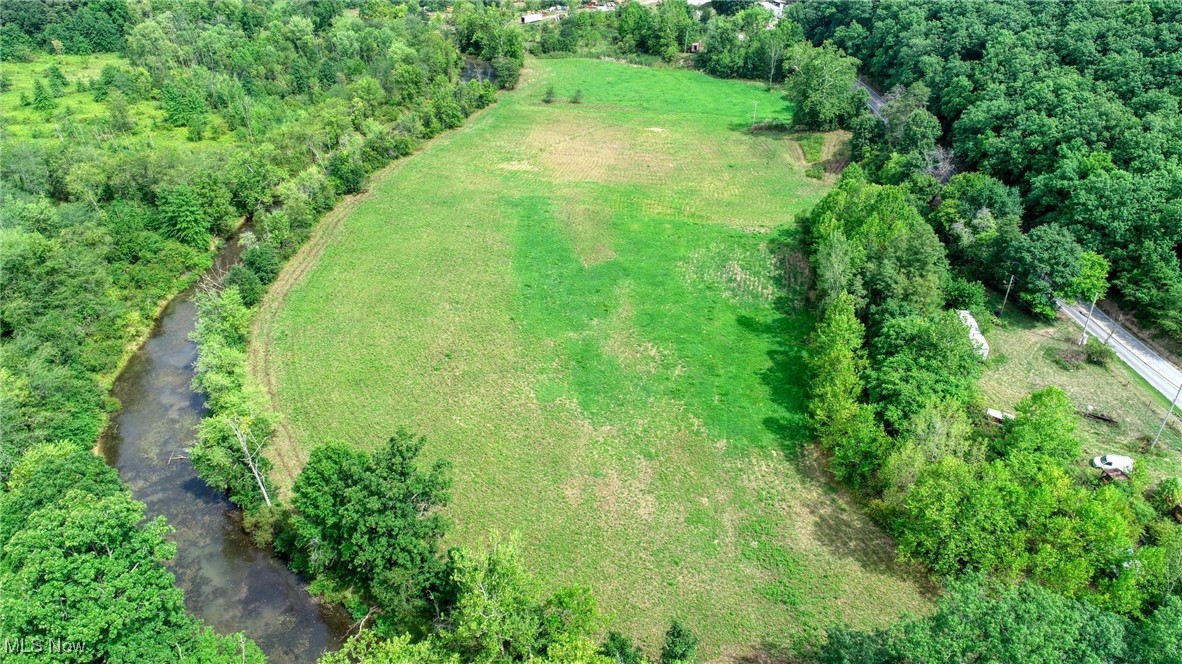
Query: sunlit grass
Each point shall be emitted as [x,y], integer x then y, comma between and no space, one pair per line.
[74,108]
[578,305]
[1022,360]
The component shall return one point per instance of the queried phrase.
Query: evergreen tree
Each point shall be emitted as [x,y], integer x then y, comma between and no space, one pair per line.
[182,216]
[42,99]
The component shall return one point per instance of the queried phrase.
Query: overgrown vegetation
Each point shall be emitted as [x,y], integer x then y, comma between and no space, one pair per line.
[894,401]
[118,182]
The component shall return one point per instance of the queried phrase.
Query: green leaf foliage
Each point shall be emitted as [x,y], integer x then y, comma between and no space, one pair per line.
[371,520]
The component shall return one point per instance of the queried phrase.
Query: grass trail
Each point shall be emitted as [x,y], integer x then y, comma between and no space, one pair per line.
[579,304]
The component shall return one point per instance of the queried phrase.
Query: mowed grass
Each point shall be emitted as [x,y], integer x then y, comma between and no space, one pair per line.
[579,306]
[1023,360]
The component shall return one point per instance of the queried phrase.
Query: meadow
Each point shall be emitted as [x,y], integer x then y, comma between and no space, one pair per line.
[595,311]
[74,108]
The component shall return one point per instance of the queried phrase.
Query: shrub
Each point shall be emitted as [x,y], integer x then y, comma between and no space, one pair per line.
[1098,352]
[680,644]
[263,260]
[346,173]
[248,284]
[549,97]
[815,172]
[577,97]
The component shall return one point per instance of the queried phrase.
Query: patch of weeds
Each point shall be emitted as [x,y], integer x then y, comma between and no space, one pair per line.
[997,359]
[1068,359]
[812,145]
[1098,352]
[815,172]
[759,545]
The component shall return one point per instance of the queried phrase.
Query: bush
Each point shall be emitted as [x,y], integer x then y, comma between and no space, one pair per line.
[964,294]
[577,97]
[815,172]
[346,173]
[1099,352]
[506,72]
[248,284]
[680,644]
[263,260]
[549,97]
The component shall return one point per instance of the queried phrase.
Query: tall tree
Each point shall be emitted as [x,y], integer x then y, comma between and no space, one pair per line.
[371,520]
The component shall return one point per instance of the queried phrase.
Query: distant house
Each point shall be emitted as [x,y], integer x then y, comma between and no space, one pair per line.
[532,18]
[975,335]
[775,8]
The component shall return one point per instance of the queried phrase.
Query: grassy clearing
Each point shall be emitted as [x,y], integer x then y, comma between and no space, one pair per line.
[579,305]
[74,107]
[1024,359]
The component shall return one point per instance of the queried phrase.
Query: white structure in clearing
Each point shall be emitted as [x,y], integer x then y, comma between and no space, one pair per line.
[975,335]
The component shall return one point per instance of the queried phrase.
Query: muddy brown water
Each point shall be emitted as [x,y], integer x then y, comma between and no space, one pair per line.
[229,583]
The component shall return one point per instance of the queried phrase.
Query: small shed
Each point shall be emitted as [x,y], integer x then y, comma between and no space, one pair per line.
[532,18]
[975,335]
[696,47]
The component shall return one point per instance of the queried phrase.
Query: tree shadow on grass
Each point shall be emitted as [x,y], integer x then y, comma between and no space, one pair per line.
[785,379]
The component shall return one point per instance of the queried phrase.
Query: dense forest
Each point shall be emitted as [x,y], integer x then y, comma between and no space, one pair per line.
[1073,104]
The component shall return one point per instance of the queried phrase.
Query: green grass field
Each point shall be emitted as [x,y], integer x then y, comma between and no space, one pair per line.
[1023,359]
[580,306]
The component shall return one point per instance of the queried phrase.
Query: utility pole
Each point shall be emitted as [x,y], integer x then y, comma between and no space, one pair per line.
[1083,337]
[1167,418]
[1006,298]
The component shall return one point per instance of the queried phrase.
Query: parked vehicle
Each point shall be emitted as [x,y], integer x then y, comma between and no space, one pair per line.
[1114,461]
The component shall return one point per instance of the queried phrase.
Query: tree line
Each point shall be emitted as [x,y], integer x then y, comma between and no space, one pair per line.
[894,402]
[739,40]
[283,107]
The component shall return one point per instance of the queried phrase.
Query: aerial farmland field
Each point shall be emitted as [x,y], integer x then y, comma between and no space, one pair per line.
[593,310]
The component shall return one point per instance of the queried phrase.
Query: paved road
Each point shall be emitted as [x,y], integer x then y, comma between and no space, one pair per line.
[876,101]
[1155,369]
